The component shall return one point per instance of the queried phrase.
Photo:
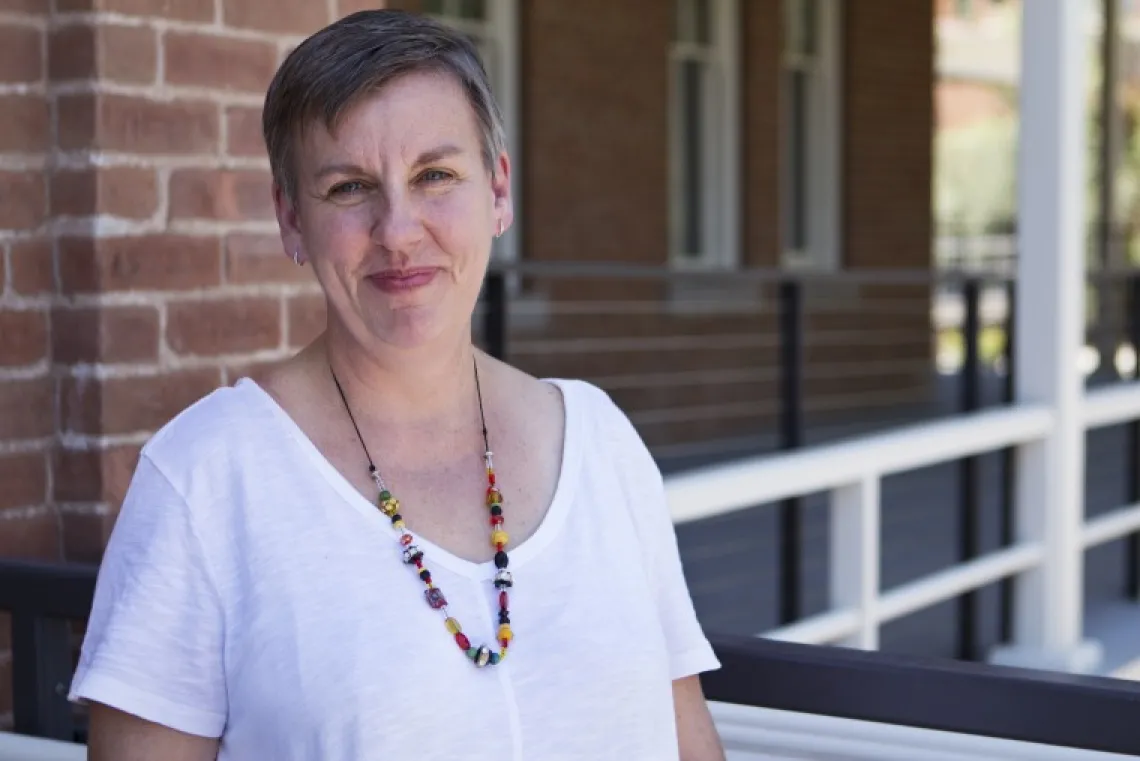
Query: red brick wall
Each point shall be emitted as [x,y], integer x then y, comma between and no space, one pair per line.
[889,124]
[762,41]
[140,265]
[594,129]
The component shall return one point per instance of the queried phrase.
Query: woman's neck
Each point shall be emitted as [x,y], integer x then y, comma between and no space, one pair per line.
[413,387]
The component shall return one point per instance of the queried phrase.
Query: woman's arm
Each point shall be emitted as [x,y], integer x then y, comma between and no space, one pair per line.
[696,733]
[117,736]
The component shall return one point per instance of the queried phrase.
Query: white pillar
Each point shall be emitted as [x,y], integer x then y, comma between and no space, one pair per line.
[855,531]
[1055,53]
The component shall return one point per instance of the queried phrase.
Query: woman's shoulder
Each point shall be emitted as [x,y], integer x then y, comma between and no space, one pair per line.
[215,427]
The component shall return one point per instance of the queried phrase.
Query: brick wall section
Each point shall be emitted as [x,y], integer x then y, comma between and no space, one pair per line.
[140,266]
[594,136]
[29,525]
[761,134]
[889,104]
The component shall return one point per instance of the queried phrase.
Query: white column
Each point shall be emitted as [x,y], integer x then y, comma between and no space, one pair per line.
[855,512]
[1050,324]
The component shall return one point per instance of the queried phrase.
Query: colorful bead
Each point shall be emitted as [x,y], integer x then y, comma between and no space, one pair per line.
[482,656]
[499,537]
[491,476]
[504,601]
[494,496]
[434,597]
[505,634]
[412,554]
[406,539]
[497,510]
[399,525]
[501,559]
[472,652]
[495,659]
[425,575]
[462,641]
[453,626]
[503,579]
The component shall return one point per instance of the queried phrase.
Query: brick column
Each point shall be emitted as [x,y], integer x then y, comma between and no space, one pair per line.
[141,266]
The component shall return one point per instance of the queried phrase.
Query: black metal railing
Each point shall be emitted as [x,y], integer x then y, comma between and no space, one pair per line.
[1072,711]
[45,601]
[1093,713]
[984,307]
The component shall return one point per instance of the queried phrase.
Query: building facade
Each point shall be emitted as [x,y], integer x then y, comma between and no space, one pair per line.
[700,138]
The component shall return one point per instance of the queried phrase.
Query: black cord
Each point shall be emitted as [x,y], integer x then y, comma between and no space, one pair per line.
[372,465]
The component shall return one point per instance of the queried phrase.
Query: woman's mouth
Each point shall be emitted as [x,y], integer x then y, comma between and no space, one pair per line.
[402,281]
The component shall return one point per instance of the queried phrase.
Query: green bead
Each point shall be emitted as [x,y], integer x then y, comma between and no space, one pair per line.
[385,495]
[472,652]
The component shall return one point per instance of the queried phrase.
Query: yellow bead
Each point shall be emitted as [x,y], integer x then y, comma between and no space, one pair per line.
[399,525]
[390,507]
[453,626]
[499,537]
[502,655]
[505,633]
[494,497]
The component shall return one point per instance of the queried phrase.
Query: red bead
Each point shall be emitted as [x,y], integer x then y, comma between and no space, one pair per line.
[496,520]
[491,479]
[503,600]
[406,539]
[505,643]
[500,546]
[419,562]
[462,641]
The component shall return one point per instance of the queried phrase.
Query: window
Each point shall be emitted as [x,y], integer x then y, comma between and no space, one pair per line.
[810,112]
[704,154]
[493,26]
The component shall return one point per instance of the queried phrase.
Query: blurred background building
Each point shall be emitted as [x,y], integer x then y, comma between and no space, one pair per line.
[761,225]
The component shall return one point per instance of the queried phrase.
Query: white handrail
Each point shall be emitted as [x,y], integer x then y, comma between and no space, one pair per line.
[1113,405]
[851,471]
[721,489]
[1114,525]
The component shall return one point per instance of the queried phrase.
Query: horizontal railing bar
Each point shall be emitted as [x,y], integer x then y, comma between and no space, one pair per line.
[45,589]
[1111,406]
[902,276]
[1104,528]
[1089,712]
[720,489]
[820,629]
[704,341]
[671,379]
[952,582]
[753,728]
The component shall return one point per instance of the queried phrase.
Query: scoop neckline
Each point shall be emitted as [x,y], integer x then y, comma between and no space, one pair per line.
[434,554]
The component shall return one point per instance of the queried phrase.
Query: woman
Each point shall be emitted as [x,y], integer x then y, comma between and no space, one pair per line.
[330,563]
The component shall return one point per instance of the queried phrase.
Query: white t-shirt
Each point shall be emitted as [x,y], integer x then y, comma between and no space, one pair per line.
[249,592]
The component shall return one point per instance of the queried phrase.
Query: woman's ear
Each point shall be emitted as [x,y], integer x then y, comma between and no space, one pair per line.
[288,220]
[501,188]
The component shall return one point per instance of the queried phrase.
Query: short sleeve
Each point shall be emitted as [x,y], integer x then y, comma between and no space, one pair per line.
[155,636]
[689,649]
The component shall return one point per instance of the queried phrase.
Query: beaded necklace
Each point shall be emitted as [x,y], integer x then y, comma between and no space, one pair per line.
[414,557]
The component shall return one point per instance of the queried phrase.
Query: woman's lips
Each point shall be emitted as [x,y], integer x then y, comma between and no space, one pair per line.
[402,281]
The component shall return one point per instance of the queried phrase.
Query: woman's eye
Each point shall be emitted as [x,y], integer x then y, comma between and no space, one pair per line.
[346,189]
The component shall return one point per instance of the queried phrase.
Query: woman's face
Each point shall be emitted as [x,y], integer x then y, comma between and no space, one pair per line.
[396,210]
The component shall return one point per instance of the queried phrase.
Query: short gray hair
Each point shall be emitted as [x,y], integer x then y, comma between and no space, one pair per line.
[333,69]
